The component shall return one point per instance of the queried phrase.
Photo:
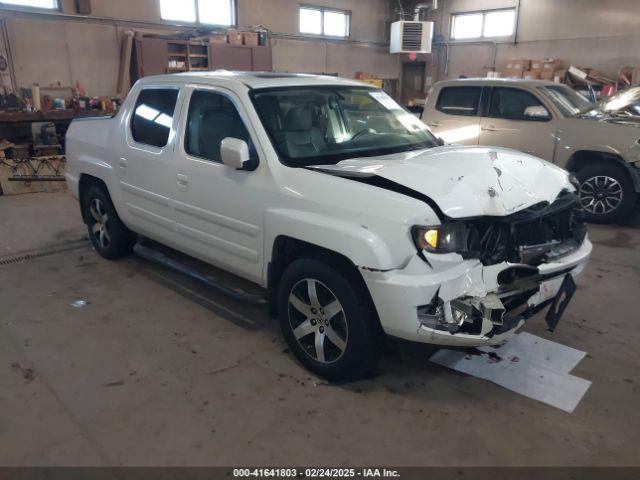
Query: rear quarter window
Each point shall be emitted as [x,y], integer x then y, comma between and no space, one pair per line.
[459,100]
[153,116]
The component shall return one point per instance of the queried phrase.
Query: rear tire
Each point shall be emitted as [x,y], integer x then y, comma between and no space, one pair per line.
[326,321]
[107,233]
[606,192]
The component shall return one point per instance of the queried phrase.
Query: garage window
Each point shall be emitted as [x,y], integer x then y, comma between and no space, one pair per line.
[459,100]
[487,24]
[324,21]
[206,12]
[46,4]
[153,116]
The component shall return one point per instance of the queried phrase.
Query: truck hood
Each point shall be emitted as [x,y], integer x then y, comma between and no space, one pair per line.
[464,181]
[610,118]
[627,101]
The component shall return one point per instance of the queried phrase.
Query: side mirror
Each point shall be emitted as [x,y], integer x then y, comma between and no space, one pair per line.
[235,153]
[537,113]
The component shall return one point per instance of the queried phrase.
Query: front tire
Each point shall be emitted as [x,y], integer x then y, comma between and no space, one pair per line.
[326,321]
[107,233]
[606,192]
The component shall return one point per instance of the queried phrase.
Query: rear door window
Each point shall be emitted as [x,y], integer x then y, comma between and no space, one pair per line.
[459,100]
[153,116]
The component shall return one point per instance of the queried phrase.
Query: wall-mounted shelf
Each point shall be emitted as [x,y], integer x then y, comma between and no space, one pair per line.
[157,56]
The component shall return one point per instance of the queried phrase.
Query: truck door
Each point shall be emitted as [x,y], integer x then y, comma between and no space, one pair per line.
[517,119]
[454,114]
[219,210]
[144,167]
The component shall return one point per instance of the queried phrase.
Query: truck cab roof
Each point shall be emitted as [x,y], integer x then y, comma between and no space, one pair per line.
[251,80]
[496,82]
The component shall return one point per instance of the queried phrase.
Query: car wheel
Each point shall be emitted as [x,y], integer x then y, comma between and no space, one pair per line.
[606,192]
[107,233]
[326,321]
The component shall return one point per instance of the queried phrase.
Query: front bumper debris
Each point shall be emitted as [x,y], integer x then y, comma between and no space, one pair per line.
[465,303]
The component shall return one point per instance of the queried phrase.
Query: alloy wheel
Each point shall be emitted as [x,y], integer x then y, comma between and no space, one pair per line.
[100,227]
[601,194]
[318,320]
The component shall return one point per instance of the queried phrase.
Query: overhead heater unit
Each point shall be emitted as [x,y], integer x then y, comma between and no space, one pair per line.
[411,37]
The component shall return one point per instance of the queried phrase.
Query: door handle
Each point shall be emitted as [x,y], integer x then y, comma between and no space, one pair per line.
[433,125]
[122,163]
[183,181]
[490,128]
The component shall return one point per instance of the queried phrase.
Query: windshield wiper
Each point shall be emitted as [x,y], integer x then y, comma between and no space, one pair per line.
[413,148]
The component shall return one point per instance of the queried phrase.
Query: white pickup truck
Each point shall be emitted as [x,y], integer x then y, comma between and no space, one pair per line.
[339,203]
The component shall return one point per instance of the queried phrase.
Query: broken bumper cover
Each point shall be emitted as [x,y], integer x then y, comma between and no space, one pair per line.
[478,306]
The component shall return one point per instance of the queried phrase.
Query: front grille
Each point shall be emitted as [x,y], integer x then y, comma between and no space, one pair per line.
[532,236]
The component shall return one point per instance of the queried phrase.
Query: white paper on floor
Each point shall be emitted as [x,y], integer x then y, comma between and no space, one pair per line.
[526,364]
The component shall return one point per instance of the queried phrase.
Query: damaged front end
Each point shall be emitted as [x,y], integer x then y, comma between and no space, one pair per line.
[490,274]
[529,237]
[508,240]
[523,241]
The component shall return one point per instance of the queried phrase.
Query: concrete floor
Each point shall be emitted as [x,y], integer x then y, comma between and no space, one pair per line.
[156,371]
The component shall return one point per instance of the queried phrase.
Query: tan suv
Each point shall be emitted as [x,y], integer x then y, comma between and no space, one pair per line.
[550,121]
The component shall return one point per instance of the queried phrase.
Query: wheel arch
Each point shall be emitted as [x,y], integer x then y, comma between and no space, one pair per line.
[582,158]
[85,183]
[287,249]
[586,164]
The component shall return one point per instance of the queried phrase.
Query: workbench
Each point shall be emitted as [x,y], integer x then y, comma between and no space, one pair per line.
[41,169]
[51,116]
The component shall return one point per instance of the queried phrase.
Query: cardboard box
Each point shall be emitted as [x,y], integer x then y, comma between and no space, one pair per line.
[551,64]
[521,65]
[376,82]
[235,37]
[560,75]
[531,75]
[512,73]
[547,74]
[577,72]
[218,38]
[250,38]
[536,65]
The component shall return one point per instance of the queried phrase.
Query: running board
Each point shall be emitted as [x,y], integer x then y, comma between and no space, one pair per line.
[160,258]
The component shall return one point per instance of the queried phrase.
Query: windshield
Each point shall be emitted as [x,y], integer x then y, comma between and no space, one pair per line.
[323,125]
[567,100]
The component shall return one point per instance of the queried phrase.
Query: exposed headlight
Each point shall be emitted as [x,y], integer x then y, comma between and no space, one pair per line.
[446,238]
